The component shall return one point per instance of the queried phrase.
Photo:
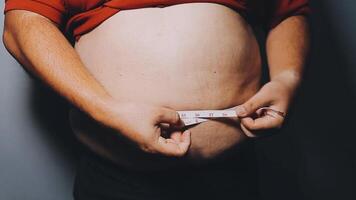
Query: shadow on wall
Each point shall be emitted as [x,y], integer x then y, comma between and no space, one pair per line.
[51,112]
[314,156]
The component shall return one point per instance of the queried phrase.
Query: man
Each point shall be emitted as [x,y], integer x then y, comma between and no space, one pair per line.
[136,63]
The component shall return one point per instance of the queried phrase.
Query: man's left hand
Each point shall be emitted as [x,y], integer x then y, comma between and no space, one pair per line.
[267,108]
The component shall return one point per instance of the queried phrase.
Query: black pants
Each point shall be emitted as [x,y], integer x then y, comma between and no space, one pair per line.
[235,178]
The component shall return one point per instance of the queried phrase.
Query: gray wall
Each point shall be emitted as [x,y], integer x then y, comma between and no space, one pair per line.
[36,148]
[313,158]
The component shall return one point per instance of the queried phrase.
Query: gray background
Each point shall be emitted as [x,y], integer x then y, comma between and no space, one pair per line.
[313,158]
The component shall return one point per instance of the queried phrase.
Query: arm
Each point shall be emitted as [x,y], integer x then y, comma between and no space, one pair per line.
[41,48]
[287,48]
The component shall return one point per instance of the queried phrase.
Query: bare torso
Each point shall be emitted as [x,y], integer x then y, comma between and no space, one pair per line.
[187,56]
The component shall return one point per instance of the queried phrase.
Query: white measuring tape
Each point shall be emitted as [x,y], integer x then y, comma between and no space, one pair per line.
[198,116]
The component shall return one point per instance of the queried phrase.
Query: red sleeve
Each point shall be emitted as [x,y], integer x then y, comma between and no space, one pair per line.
[51,9]
[278,10]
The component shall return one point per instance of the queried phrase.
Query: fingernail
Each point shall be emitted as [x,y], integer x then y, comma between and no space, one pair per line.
[186,135]
[240,111]
[187,132]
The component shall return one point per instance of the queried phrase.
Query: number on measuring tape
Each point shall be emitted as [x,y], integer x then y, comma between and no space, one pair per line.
[198,116]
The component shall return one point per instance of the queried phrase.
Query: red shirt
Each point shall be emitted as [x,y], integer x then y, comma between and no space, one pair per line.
[78,17]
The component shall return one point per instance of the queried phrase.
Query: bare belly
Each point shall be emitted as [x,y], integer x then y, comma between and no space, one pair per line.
[187,56]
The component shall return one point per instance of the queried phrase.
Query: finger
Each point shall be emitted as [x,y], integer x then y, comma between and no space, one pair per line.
[186,139]
[268,121]
[164,126]
[171,147]
[177,136]
[168,116]
[172,141]
[253,104]
[247,132]
[270,111]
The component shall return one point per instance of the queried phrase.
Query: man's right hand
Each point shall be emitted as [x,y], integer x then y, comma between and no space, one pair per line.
[141,123]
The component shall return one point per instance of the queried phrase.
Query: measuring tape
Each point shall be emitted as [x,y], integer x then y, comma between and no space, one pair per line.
[198,116]
[192,117]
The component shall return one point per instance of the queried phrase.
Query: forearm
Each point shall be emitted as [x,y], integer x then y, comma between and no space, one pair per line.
[42,49]
[287,48]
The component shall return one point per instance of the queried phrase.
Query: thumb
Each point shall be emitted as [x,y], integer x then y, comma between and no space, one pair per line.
[252,105]
[168,116]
